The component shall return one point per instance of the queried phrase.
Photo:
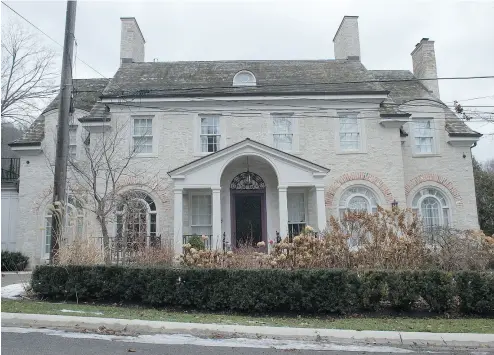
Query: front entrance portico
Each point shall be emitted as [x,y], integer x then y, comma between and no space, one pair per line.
[247,191]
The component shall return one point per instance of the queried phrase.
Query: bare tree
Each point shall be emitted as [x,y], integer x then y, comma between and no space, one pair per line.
[28,75]
[489,166]
[104,171]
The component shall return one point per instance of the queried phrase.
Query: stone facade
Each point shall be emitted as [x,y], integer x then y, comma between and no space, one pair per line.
[175,169]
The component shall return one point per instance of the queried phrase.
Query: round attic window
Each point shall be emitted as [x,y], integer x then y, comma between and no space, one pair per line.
[244,78]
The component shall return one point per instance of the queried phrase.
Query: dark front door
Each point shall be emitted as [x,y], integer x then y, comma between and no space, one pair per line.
[248,219]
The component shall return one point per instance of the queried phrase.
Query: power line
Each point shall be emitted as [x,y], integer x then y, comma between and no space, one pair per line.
[40,30]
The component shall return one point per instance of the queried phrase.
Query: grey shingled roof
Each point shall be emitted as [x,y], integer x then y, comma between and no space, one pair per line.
[165,79]
[403,91]
[87,92]
[99,112]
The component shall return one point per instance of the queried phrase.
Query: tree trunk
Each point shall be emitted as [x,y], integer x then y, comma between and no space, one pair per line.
[106,239]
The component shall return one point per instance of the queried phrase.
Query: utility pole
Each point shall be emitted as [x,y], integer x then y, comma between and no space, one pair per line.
[60,180]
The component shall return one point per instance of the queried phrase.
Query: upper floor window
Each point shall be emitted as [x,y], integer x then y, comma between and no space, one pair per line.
[244,78]
[210,134]
[73,142]
[349,132]
[142,135]
[283,132]
[423,133]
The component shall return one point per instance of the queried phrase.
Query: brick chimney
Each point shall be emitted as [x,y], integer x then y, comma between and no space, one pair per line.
[424,65]
[346,40]
[131,41]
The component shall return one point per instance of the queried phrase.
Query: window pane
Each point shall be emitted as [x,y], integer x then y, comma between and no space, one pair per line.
[423,133]
[349,133]
[143,144]
[430,212]
[201,210]
[282,125]
[359,203]
[143,127]
[296,208]
[48,234]
[283,141]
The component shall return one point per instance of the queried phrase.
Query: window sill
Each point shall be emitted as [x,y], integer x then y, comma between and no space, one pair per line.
[351,152]
[145,155]
[425,155]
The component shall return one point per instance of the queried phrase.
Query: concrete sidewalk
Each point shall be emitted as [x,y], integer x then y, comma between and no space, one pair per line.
[207,330]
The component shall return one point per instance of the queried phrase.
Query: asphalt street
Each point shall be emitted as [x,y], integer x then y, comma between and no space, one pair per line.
[18,341]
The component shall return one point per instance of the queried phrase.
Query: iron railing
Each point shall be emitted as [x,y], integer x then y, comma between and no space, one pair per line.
[10,169]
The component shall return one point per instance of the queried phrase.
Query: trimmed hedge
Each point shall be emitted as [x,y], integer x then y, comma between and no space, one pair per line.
[269,290]
[14,261]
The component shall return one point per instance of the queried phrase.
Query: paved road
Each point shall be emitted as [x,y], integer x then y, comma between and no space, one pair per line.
[19,341]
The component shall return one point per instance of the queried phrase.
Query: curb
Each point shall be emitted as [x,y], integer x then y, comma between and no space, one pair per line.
[136,325]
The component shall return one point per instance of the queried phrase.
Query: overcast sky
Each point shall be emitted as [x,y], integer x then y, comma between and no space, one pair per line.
[213,30]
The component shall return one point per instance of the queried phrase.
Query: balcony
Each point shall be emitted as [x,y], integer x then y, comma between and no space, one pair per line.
[10,169]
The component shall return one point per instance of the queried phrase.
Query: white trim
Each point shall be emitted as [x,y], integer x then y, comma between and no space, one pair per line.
[435,137]
[34,148]
[252,79]
[362,149]
[377,97]
[153,152]
[295,130]
[462,141]
[258,148]
[393,122]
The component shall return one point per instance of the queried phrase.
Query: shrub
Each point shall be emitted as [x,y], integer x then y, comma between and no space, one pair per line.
[319,291]
[14,261]
[196,242]
[476,292]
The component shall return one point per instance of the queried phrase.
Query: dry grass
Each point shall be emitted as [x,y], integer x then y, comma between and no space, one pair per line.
[81,251]
[155,256]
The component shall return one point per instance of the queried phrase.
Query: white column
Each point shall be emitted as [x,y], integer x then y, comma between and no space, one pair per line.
[216,200]
[283,208]
[321,208]
[178,220]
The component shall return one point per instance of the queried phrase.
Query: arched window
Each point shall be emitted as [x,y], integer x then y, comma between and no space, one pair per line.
[74,222]
[244,78]
[136,216]
[358,198]
[432,206]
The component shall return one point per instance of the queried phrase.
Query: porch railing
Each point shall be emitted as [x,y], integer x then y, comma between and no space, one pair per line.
[10,169]
[121,252]
[207,243]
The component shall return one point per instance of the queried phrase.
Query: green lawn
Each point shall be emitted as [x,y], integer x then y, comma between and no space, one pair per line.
[433,324]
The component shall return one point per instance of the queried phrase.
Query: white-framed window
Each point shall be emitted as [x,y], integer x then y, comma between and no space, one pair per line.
[73,142]
[283,127]
[244,78]
[349,131]
[423,136]
[200,214]
[358,198]
[136,217]
[142,135]
[210,134]
[73,223]
[432,206]
[297,219]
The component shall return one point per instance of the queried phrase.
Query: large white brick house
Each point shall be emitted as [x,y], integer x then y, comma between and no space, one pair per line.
[252,148]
